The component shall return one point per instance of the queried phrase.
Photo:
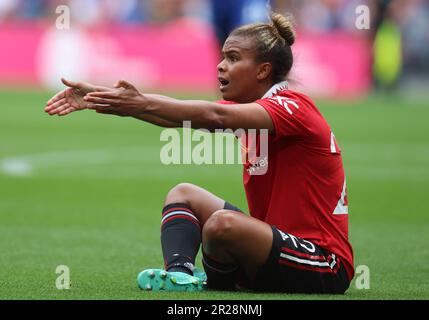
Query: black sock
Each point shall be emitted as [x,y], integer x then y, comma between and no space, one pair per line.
[220,276]
[180,237]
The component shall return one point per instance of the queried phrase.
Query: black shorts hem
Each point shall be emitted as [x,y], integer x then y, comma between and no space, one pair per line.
[279,274]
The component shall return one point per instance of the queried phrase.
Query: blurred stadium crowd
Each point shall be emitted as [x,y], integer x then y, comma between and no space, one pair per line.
[399,28]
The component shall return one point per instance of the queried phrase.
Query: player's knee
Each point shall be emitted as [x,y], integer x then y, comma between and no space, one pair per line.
[219,227]
[180,193]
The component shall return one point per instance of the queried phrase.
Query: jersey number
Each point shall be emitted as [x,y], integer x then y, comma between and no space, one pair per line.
[342,205]
[334,146]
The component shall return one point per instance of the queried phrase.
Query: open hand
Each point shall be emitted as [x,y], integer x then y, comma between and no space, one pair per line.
[126,100]
[71,98]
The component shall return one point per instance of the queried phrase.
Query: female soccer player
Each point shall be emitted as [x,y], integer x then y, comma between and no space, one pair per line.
[296,237]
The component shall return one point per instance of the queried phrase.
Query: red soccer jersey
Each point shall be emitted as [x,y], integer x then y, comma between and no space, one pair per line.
[303,191]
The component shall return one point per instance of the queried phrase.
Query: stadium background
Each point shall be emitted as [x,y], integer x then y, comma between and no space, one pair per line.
[86,190]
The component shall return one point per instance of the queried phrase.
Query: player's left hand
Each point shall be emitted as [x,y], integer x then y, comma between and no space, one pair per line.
[127,101]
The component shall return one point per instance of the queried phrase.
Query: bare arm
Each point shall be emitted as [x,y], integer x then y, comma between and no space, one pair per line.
[145,116]
[158,121]
[202,114]
[71,99]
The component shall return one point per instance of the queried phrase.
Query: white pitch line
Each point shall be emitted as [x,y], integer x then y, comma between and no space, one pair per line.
[25,164]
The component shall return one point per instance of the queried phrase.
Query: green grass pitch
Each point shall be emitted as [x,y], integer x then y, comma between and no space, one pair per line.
[86,191]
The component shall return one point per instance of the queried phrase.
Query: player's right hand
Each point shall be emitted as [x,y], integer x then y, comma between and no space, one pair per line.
[71,98]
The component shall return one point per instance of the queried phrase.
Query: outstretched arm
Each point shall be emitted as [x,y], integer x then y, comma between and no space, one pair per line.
[72,99]
[203,114]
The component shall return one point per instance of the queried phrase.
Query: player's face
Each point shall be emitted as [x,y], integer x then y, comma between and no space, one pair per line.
[237,72]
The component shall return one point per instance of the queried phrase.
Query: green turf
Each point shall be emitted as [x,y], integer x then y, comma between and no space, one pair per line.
[92,193]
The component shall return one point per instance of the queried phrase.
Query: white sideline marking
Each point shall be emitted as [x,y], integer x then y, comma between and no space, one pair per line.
[16,167]
[364,161]
[24,165]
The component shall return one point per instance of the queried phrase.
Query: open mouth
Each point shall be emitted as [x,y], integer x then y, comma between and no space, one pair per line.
[223,82]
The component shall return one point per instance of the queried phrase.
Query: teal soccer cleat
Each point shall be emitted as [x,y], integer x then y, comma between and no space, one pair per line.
[200,275]
[160,280]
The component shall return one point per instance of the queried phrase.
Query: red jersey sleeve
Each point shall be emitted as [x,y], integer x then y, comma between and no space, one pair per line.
[287,114]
